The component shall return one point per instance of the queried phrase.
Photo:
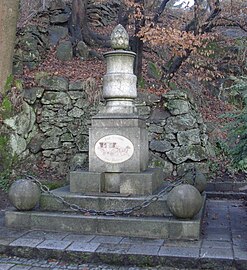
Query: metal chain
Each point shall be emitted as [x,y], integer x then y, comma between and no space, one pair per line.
[127,211]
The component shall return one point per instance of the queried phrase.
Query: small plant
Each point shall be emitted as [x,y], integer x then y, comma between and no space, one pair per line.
[237,128]
[238,91]
[237,139]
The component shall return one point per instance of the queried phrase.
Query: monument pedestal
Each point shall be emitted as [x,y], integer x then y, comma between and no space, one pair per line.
[141,183]
[118,158]
[155,221]
[118,143]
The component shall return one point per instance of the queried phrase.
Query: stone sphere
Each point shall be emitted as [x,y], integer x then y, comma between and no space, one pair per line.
[196,179]
[24,194]
[184,201]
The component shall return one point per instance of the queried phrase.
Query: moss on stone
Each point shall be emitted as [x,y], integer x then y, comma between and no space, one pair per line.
[6,108]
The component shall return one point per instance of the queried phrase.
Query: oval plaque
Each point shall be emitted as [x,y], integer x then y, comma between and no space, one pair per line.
[114,149]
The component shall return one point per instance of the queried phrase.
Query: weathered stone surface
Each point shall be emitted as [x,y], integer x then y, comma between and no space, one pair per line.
[82,50]
[177,107]
[76,94]
[86,181]
[171,95]
[57,5]
[64,51]
[82,142]
[30,95]
[18,144]
[78,161]
[76,85]
[159,114]
[59,18]
[35,144]
[156,161]
[184,153]
[184,201]
[76,112]
[82,103]
[24,194]
[54,83]
[51,143]
[67,137]
[47,113]
[180,123]
[155,128]
[24,122]
[189,137]
[53,131]
[160,146]
[185,167]
[51,97]
[57,33]
[195,178]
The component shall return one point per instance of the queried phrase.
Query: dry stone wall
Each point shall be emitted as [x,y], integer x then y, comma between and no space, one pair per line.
[178,136]
[53,127]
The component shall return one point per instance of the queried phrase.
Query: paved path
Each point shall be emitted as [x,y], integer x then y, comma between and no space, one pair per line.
[223,246]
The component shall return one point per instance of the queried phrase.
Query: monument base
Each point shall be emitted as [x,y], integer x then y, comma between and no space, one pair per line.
[155,221]
[141,183]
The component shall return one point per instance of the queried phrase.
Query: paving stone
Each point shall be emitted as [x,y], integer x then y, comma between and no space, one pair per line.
[191,252]
[240,251]
[26,242]
[83,247]
[139,240]
[107,239]
[177,243]
[112,248]
[46,235]
[216,244]
[221,234]
[144,249]
[5,266]
[11,233]
[216,253]
[41,268]
[79,238]
[54,244]
[21,267]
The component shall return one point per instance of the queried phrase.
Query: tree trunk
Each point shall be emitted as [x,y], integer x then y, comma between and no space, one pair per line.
[137,42]
[79,28]
[8,19]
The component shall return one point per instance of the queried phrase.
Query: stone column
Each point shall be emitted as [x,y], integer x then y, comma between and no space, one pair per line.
[118,139]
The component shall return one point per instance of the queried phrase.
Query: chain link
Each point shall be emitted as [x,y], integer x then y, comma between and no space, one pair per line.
[74,207]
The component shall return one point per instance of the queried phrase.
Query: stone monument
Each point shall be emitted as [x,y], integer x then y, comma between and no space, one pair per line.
[118,139]
[119,194]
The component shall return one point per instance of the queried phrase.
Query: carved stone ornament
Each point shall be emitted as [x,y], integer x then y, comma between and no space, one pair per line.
[119,38]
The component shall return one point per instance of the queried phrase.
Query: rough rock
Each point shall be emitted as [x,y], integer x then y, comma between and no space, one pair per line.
[184,153]
[64,51]
[82,50]
[189,137]
[50,97]
[160,146]
[57,33]
[54,83]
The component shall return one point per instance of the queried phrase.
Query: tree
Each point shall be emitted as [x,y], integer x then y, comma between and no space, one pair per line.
[79,28]
[8,19]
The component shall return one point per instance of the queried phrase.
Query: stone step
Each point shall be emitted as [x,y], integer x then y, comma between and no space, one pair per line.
[103,202]
[148,227]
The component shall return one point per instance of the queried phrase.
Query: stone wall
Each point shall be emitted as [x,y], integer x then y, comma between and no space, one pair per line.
[50,28]
[178,138]
[53,127]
